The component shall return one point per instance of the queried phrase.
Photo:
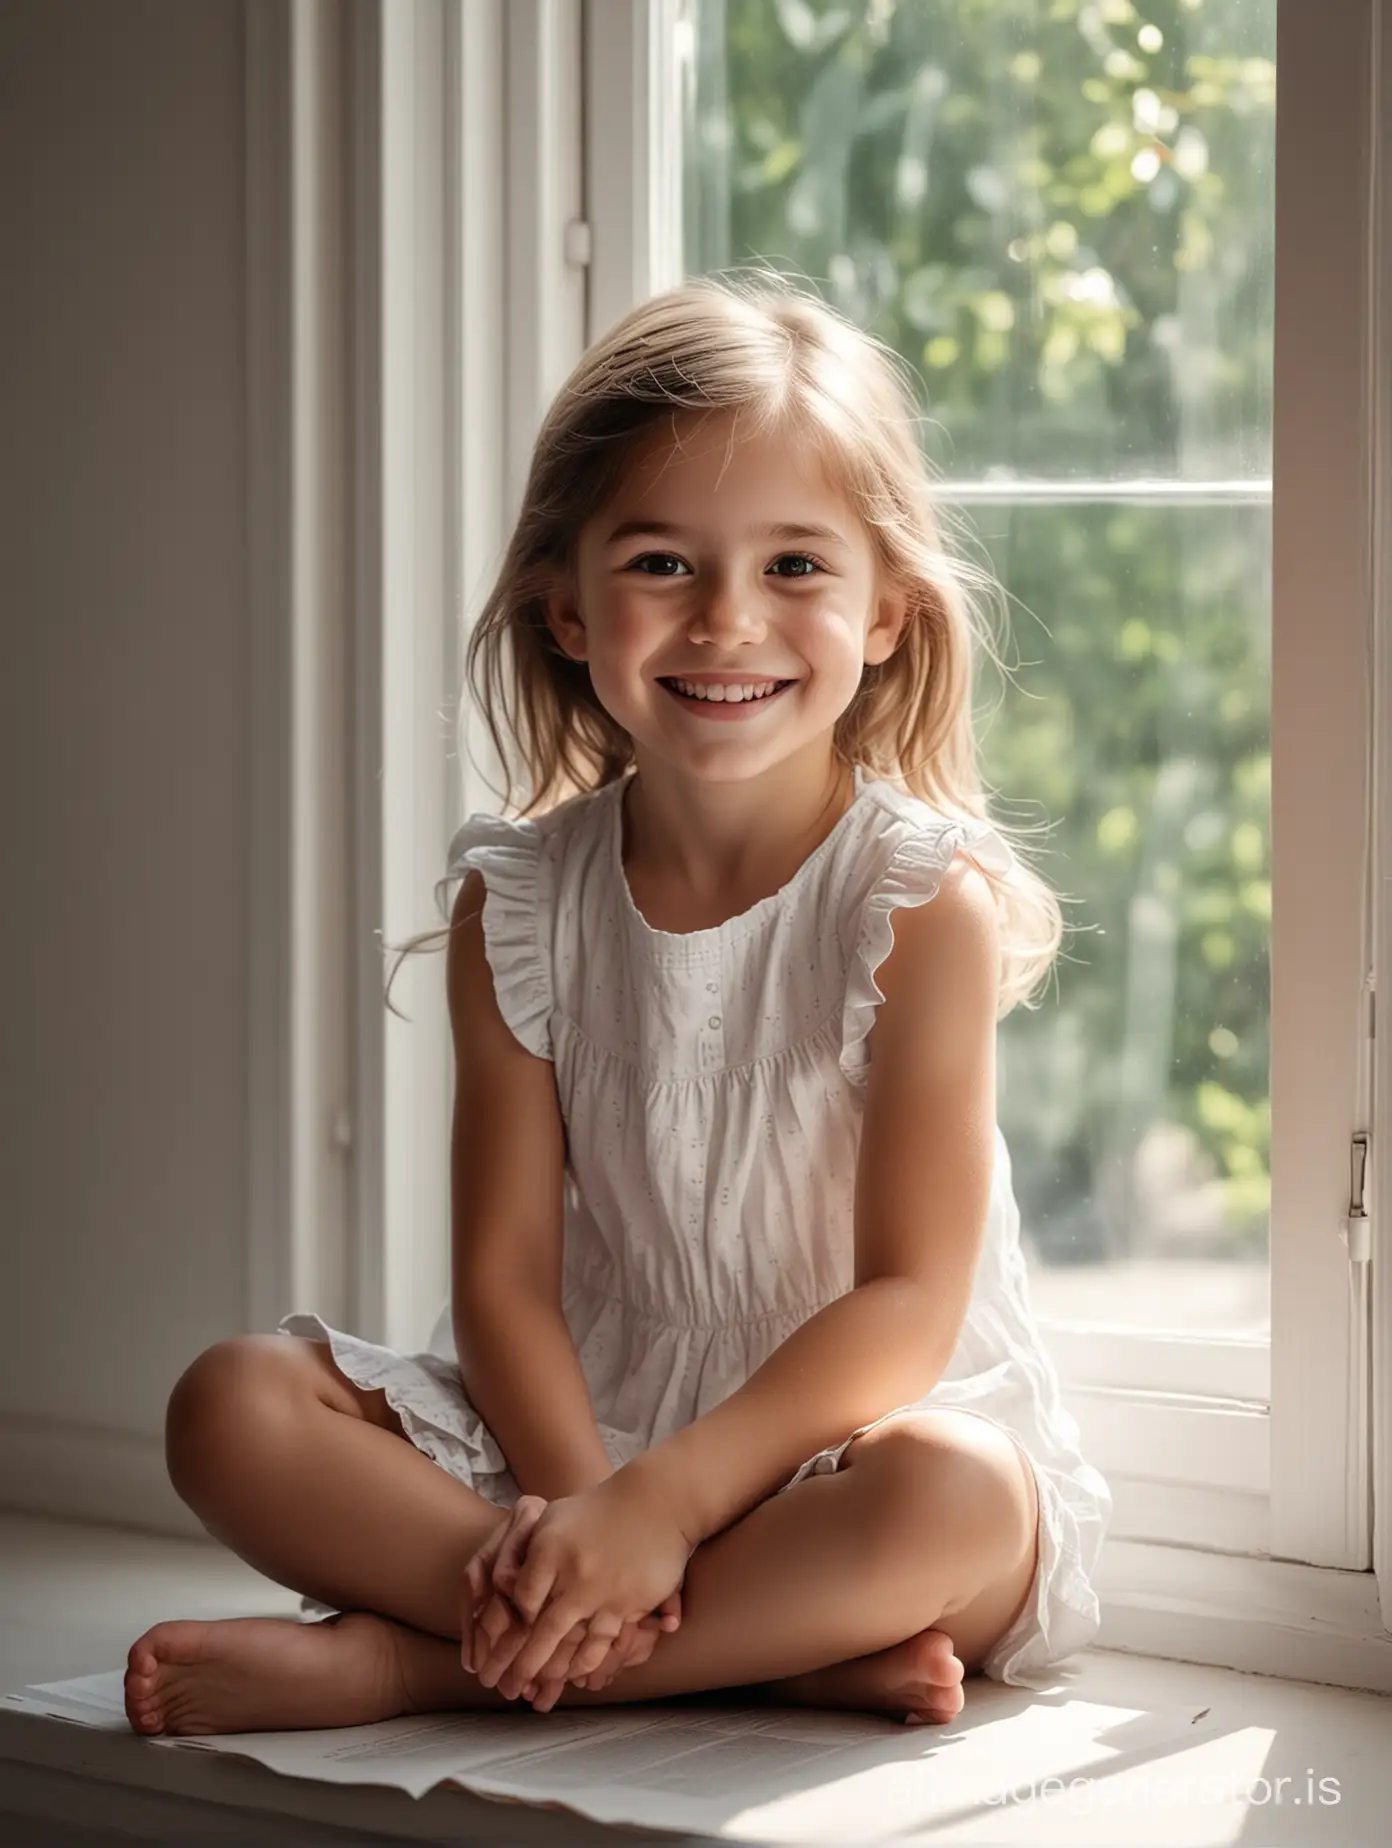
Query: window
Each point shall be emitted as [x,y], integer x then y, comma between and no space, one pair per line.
[1159,436]
[1068,219]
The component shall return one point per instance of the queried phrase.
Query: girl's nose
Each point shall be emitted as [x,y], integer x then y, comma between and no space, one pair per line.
[728,612]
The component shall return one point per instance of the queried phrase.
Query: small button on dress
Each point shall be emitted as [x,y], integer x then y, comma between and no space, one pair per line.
[711,1160]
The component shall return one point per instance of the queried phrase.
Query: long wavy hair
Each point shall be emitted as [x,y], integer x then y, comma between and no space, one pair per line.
[777,356]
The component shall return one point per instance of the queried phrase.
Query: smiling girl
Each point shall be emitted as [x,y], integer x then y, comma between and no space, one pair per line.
[738,1384]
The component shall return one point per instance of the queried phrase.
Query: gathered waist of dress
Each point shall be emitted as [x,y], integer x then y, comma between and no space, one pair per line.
[596,1281]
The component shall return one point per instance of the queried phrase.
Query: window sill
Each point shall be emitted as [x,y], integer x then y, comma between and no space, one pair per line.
[1263,1616]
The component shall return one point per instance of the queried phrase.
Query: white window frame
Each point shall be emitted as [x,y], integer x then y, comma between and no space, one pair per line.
[506,175]
[412,303]
[471,286]
[299,491]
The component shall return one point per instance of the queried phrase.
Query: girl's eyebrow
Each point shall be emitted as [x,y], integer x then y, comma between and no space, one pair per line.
[665,529]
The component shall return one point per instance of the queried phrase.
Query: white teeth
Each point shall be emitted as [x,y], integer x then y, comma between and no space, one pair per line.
[754,690]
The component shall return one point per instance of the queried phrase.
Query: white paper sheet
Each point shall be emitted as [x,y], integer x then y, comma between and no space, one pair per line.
[774,1774]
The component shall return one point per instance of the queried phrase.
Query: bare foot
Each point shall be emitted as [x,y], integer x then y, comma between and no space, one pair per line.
[267,1674]
[918,1680]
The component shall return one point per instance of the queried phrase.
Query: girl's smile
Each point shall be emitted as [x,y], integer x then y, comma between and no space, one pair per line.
[731,703]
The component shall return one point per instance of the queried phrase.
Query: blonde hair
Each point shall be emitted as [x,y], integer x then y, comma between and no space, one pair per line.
[753,344]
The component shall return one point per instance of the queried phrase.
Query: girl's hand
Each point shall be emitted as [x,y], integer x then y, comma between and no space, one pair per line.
[488,1581]
[488,1616]
[605,1557]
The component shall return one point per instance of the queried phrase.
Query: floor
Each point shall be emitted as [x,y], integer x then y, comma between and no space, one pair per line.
[73,1598]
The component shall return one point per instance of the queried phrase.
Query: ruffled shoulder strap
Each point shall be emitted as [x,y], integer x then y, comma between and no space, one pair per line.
[911,876]
[512,857]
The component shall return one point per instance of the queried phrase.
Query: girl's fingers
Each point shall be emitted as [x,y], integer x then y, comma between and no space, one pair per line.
[508,1560]
[604,1636]
[670,1610]
[630,1649]
[595,1649]
[475,1581]
[478,1580]
[644,1644]
[512,1684]
[472,1593]
[493,1626]
[612,1666]
[546,1696]
[537,1648]
[561,1667]
[485,1555]
[534,1585]
[475,1600]
[466,1627]
[600,1677]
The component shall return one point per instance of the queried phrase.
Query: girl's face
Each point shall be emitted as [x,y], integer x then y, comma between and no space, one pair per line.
[734,564]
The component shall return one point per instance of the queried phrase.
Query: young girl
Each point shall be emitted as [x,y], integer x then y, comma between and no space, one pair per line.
[738,1385]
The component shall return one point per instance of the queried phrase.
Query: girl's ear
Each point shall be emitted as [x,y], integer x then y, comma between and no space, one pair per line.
[564,620]
[886,630]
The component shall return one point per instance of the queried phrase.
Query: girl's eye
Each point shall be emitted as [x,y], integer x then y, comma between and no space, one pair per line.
[671,559]
[649,557]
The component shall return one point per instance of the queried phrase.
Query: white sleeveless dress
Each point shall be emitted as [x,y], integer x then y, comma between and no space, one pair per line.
[712,1087]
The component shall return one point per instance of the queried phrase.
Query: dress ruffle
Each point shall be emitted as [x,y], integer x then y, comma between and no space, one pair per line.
[423,1390]
[508,855]
[912,877]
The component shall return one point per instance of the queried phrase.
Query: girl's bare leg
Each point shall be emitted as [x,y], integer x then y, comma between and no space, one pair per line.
[312,1482]
[929,1525]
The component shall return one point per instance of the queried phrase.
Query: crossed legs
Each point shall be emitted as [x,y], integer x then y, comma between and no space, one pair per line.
[929,1525]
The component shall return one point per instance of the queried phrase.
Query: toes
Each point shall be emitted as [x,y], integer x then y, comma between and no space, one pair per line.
[142,1659]
[174,1645]
[148,1655]
[144,1713]
[140,1701]
[938,1708]
[180,1644]
[938,1660]
[938,1696]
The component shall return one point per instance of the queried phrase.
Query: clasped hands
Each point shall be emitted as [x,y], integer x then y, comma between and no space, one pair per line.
[572,1590]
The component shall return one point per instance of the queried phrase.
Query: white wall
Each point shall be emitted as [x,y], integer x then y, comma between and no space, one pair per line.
[124,734]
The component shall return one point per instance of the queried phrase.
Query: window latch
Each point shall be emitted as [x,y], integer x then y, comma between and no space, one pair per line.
[1358,1227]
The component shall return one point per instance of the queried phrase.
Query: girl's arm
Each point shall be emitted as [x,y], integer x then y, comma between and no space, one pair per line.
[923,1189]
[520,1368]
[507,1168]
[882,1345]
